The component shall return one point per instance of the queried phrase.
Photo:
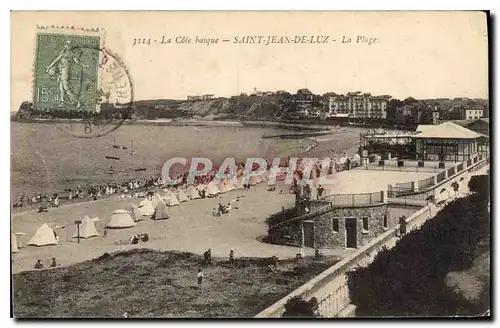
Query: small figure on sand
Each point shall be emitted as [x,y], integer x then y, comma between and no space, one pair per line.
[231,257]
[54,263]
[199,277]
[39,265]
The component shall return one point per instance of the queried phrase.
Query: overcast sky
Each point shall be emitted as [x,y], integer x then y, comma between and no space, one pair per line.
[419,54]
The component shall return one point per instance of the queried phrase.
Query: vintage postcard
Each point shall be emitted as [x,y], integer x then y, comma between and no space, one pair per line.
[250,164]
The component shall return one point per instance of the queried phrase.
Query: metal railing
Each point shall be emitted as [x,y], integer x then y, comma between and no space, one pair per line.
[351,200]
[425,183]
[441,176]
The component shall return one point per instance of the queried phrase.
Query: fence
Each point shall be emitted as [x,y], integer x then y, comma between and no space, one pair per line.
[460,167]
[451,171]
[351,200]
[441,176]
[469,162]
[425,183]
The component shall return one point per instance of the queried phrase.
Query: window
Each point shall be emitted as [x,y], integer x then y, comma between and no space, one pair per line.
[385,221]
[365,224]
[335,225]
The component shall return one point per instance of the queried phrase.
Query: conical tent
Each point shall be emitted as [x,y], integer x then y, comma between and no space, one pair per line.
[87,229]
[14,248]
[193,193]
[136,213]
[212,189]
[181,196]
[43,236]
[253,180]
[161,212]
[120,219]
[172,200]
[146,207]
[156,199]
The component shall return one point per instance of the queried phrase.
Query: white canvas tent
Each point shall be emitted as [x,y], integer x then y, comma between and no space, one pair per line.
[87,229]
[146,207]
[253,180]
[161,212]
[171,200]
[193,193]
[43,236]
[120,219]
[156,199]
[14,248]
[181,196]
[212,189]
[136,213]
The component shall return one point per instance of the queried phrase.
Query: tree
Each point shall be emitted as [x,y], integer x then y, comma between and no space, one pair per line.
[409,101]
[296,307]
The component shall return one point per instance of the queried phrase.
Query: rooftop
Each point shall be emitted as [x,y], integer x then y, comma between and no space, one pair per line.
[448,130]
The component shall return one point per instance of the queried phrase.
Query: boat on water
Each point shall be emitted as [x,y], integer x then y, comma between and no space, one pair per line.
[113,157]
[111,171]
[140,169]
[114,143]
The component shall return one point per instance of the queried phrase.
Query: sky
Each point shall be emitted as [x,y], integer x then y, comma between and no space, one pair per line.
[418,54]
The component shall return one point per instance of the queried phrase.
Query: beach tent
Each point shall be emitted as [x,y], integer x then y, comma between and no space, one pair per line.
[212,189]
[172,200]
[253,180]
[238,182]
[146,207]
[156,199]
[43,236]
[181,196]
[136,213]
[193,193]
[14,248]
[87,229]
[120,219]
[161,212]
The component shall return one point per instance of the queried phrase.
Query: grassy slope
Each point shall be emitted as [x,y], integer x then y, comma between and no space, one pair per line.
[147,283]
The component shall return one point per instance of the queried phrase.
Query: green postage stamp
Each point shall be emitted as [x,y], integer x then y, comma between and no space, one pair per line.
[66,71]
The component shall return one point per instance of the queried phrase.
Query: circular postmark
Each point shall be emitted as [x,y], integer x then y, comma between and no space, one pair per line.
[100,91]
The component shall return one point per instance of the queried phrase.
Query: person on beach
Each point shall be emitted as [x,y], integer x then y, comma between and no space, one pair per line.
[231,257]
[200,277]
[39,264]
[54,263]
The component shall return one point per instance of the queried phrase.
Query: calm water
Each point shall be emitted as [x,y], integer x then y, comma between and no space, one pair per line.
[45,159]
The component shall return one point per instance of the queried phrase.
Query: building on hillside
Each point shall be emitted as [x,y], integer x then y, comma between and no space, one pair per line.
[466,113]
[481,126]
[413,114]
[193,98]
[448,141]
[358,105]
[207,97]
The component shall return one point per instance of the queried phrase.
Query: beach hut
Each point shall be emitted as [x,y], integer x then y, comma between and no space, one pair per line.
[194,193]
[13,244]
[87,229]
[136,213]
[44,236]
[161,212]
[212,189]
[120,219]
[146,207]
[181,196]
[172,200]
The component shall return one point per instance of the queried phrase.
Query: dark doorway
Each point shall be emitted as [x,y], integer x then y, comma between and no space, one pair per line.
[351,233]
[308,234]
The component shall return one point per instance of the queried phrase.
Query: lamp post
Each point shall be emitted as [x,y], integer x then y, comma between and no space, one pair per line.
[78,222]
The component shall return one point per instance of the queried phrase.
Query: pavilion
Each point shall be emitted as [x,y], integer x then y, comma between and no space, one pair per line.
[447,141]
